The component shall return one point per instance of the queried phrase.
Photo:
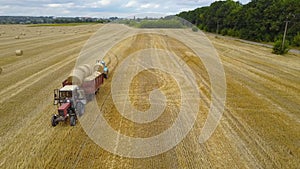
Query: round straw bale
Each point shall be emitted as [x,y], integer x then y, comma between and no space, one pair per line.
[76,77]
[90,68]
[98,68]
[19,52]
[17,37]
[1,70]
[86,69]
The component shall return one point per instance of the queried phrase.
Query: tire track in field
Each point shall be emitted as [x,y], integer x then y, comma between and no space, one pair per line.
[22,140]
[24,124]
[32,47]
[259,71]
[239,136]
[263,63]
[275,100]
[25,63]
[15,89]
[24,66]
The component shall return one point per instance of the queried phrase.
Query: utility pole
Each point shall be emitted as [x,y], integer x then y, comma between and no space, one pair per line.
[285,30]
[218,27]
[286,27]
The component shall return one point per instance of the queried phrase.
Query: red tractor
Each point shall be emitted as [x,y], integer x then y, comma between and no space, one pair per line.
[71,101]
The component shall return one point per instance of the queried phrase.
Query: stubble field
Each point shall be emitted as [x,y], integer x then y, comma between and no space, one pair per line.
[259,128]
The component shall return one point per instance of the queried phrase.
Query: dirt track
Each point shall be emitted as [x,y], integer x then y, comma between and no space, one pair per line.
[259,129]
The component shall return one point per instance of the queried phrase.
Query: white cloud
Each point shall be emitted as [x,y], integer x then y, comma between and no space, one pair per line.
[130,4]
[63,5]
[98,8]
[66,11]
[98,4]
[147,6]
[104,2]
[54,5]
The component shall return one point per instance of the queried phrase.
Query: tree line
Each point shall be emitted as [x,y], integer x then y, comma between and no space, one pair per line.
[50,19]
[259,20]
[163,22]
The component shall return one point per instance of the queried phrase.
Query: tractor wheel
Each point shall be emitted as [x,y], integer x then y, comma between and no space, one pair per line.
[72,120]
[80,109]
[53,122]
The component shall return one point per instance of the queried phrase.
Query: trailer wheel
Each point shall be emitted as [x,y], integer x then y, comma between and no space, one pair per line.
[90,97]
[97,91]
[53,121]
[72,121]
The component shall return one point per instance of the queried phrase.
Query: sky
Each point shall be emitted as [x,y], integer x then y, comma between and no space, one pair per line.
[100,8]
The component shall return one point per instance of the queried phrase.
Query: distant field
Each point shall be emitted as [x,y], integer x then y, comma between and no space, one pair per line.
[61,24]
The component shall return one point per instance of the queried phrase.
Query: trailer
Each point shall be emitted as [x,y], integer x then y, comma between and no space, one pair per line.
[90,85]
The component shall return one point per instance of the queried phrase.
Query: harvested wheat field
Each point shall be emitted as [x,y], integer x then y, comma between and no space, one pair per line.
[259,127]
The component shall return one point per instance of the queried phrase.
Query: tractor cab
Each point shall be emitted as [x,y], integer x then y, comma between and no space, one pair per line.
[69,93]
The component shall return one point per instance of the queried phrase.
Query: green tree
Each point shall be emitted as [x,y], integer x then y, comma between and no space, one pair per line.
[259,20]
[278,49]
[296,40]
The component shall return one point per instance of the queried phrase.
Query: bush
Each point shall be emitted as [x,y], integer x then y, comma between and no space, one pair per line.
[296,40]
[224,31]
[232,32]
[133,24]
[194,29]
[172,23]
[201,26]
[278,49]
